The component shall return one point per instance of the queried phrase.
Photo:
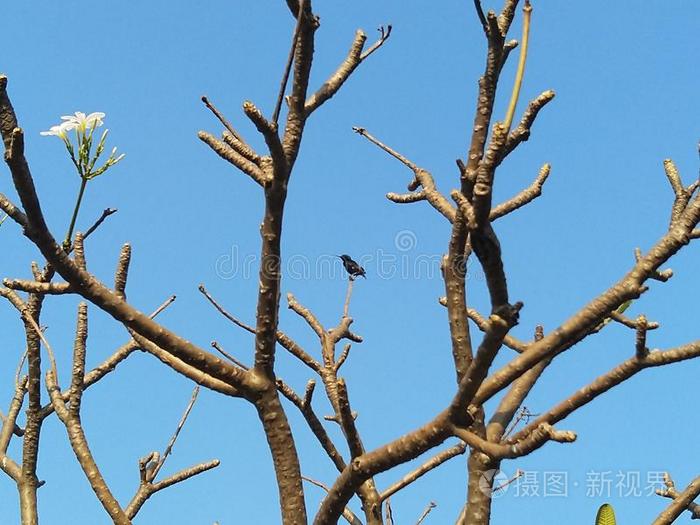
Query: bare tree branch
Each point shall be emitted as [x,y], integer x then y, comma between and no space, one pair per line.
[228,153]
[151,488]
[70,417]
[287,67]
[422,178]
[681,501]
[221,118]
[287,342]
[614,377]
[534,440]
[425,512]
[524,197]
[173,439]
[355,57]
[426,467]
[348,514]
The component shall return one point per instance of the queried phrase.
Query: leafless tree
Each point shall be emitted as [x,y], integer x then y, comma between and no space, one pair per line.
[488,437]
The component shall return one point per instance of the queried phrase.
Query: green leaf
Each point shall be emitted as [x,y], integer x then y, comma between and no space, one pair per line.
[605,516]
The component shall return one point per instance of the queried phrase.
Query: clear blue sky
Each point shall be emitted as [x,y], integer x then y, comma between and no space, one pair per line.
[626,81]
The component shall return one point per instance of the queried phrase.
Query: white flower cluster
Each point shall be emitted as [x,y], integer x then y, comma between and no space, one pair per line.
[79,121]
[84,127]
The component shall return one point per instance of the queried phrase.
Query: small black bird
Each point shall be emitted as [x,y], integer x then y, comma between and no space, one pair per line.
[352,267]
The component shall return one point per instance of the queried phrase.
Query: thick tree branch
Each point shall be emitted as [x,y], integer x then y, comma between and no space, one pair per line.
[109,364]
[195,374]
[499,325]
[39,287]
[485,102]
[70,417]
[534,440]
[304,406]
[407,447]
[454,272]
[681,501]
[305,314]
[510,341]
[228,153]
[614,377]
[355,57]
[347,421]
[581,324]
[94,291]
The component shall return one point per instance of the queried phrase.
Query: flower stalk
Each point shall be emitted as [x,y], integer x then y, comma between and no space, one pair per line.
[69,235]
[85,161]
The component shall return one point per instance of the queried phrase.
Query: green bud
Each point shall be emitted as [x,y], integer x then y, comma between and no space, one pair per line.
[605,516]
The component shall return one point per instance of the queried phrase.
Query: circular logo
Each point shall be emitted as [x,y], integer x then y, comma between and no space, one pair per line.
[493,483]
[405,240]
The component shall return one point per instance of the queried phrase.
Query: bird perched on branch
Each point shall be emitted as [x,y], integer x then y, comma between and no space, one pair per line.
[352,267]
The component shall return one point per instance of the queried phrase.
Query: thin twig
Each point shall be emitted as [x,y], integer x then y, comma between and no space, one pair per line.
[18,370]
[109,364]
[163,306]
[30,319]
[288,65]
[518,473]
[427,510]
[389,513]
[480,14]
[228,356]
[348,514]
[384,34]
[287,342]
[221,118]
[105,213]
[224,312]
[171,443]
[426,467]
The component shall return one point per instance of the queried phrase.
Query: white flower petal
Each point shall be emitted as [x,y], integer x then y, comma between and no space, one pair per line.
[59,130]
[82,121]
[94,120]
